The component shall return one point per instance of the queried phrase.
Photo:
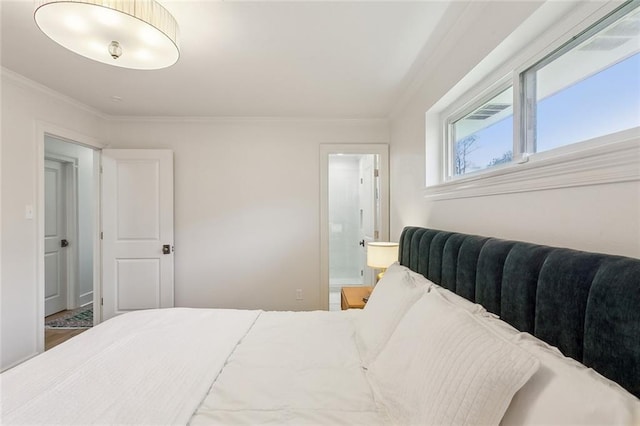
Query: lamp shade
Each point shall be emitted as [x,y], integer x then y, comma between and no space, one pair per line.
[381,254]
[137,34]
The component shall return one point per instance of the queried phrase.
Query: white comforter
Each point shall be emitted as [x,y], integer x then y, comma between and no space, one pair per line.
[146,367]
[202,366]
[293,368]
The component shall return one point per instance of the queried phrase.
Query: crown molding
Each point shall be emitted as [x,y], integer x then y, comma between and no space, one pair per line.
[438,46]
[22,81]
[238,119]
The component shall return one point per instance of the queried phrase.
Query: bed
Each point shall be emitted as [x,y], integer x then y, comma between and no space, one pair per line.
[463,329]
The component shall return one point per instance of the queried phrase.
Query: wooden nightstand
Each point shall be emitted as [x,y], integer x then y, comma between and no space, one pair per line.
[351,297]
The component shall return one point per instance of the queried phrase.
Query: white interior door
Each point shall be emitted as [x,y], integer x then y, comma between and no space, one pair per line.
[55,255]
[137,227]
[333,196]
[368,197]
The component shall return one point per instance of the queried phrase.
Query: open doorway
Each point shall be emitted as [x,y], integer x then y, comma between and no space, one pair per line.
[354,212]
[354,215]
[69,204]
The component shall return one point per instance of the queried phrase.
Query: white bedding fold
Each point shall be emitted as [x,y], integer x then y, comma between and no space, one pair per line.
[293,368]
[145,367]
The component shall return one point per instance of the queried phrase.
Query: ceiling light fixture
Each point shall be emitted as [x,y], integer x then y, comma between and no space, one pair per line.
[137,34]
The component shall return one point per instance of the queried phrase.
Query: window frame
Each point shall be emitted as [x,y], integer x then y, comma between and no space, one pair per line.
[449,150]
[528,81]
[533,171]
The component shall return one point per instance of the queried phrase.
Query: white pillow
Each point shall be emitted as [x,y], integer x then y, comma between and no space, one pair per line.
[442,366]
[449,295]
[459,301]
[564,391]
[390,300]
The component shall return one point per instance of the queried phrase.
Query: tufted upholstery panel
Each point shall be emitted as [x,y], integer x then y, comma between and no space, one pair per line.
[436,252]
[489,273]
[519,284]
[468,266]
[586,304]
[450,261]
[563,287]
[612,328]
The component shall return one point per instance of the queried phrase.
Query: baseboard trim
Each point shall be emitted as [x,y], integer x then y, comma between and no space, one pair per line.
[86,299]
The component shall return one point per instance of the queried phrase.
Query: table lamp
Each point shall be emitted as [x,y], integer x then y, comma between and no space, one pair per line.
[380,255]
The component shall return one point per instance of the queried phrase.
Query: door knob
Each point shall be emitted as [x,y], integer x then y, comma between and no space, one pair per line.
[64,243]
[361,243]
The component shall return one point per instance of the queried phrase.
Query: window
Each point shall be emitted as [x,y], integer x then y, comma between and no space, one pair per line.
[484,137]
[587,89]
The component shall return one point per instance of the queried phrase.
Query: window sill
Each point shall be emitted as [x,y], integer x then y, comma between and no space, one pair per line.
[605,163]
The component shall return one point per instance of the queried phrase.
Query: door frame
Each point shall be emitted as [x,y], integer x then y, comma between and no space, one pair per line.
[382,150]
[42,129]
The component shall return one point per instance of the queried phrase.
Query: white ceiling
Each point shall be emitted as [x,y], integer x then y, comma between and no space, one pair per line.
[337,59]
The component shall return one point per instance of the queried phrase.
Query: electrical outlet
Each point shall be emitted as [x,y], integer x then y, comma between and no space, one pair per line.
[298,294]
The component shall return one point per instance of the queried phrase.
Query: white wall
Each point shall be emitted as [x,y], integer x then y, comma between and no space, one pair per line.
[246,203]
[603,218]
[247,194]
[85,213]
[23,106]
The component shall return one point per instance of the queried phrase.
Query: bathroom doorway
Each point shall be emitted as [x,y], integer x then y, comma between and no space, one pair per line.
[355,207]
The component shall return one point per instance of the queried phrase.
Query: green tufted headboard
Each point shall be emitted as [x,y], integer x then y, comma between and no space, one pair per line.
[586,304]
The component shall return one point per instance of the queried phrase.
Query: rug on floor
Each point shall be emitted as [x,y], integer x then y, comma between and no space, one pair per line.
[77,318]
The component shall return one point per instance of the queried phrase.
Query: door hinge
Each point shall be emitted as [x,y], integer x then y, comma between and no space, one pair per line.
[101,235]
[102,301]
[376,173]
[376,234]
[100,169]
